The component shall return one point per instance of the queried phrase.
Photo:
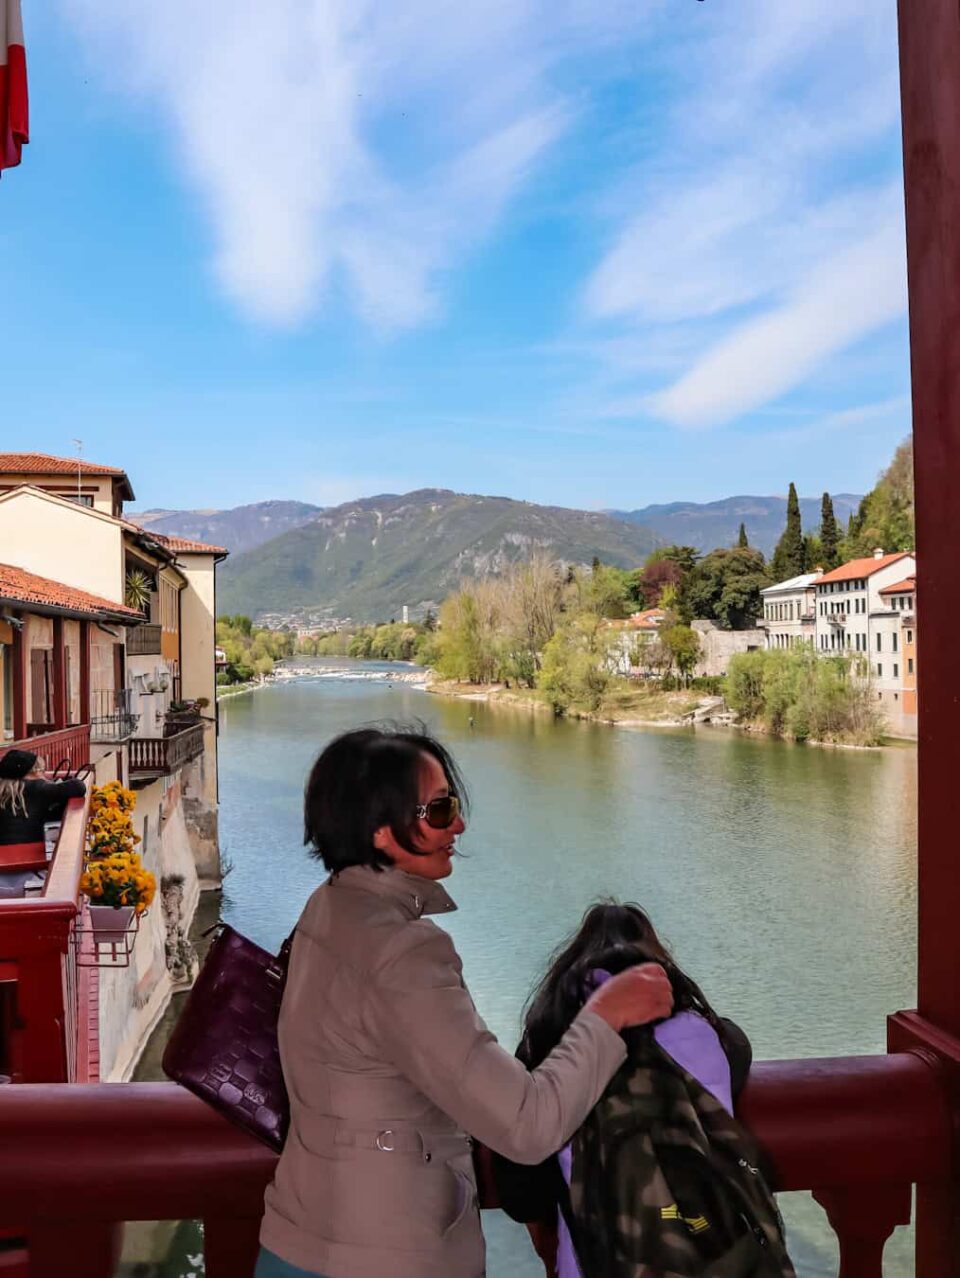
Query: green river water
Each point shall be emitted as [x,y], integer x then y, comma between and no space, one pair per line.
[784,877]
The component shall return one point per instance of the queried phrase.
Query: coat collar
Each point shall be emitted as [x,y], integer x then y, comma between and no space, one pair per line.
[415,895]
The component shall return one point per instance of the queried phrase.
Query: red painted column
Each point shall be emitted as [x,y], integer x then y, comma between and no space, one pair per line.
[85,641]
[930,87]
[20,665]
[59,676]
[930,98]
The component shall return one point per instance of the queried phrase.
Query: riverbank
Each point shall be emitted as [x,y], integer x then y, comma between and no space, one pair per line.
[346,668]
[625,707]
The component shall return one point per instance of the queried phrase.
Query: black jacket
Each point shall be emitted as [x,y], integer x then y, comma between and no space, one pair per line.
[533,1193]
[45,801]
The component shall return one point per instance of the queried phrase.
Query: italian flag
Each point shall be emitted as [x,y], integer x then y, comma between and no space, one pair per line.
[14,129]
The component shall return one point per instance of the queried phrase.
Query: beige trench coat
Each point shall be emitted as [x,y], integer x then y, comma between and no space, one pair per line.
[391,1072]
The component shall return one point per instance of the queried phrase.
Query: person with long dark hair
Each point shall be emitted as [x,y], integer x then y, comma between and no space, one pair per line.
[612,938]
[390,1070]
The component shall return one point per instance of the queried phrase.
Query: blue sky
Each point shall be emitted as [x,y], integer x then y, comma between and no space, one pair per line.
[597,255]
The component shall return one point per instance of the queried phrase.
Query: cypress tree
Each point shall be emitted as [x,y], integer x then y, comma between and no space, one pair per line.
[829,534]
[742,539]
[789,558]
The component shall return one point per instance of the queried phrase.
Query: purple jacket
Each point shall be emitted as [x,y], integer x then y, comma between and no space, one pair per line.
[695,1045]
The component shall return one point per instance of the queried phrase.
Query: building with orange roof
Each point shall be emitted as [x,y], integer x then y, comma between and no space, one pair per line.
[901,599]
[855,617]
[107,658]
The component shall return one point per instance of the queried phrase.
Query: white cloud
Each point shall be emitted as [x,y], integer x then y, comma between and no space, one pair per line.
[767,208]
[847,296]
[338,141]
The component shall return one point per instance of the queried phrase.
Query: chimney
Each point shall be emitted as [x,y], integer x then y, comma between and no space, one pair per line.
[878,552]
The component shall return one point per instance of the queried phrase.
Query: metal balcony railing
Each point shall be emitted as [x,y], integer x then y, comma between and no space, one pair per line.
[111,718]
[163,756]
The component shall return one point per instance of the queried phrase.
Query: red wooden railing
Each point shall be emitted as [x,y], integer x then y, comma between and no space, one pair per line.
[75,1161]
[37,954]
[72,744]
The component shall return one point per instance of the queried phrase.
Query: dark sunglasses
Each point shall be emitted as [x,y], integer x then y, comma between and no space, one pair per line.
[440,813]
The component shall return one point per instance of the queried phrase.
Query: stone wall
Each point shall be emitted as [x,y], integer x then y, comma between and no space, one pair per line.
[718,646]
[133,998]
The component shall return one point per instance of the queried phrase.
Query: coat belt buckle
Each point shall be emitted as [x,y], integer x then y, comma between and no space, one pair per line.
[385,1141]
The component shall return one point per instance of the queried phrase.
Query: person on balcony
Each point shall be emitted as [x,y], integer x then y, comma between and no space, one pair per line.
[28,801]
[390,1070]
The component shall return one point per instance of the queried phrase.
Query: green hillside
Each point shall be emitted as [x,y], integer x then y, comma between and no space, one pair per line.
[365,560]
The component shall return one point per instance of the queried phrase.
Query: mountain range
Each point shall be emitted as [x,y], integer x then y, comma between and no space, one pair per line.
[706,525]
[366,559]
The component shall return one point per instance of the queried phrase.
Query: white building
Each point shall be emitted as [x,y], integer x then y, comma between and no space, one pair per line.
[854,616]
[789,611]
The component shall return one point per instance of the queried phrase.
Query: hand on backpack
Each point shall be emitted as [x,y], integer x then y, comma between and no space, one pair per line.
[634,997]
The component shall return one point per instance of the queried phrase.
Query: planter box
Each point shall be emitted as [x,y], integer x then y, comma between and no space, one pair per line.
[111,924]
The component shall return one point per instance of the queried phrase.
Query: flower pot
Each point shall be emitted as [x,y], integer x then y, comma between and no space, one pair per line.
[111,923]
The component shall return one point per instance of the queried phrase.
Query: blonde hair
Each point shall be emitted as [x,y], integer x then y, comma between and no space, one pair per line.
[12,797]
[12,793]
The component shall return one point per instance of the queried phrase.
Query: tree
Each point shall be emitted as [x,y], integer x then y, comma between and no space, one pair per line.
[789,559]
[574,671]
[668,566]
[829,535]
[885,516]
[725,587]
[742,543]
[607,591]
[682,643]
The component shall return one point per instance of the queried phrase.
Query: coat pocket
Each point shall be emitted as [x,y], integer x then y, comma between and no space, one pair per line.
[460,1169]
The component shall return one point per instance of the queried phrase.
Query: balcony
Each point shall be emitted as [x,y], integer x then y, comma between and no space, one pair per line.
[111,719]
[144,641]
[55,746]
[53,1038]
[839,619]
[152,757]
[858,1131]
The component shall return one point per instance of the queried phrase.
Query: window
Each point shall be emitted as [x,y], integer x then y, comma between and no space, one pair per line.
[909,636]
[896,696]
[879,670]
[909,665]
[879,643]
[896,671]
[85,499]
[895,641]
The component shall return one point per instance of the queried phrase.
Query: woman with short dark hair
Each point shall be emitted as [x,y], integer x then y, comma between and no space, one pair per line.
[391,1072]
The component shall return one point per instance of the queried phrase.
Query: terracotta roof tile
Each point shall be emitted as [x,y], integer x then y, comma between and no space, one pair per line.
[861,568]
[184,544]
[907,586]
[44,464]
[19,586]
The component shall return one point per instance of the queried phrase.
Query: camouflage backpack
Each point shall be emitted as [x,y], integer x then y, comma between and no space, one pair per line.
[665,1182]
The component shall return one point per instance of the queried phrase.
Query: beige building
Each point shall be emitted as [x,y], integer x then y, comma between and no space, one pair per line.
[789,611]
[115,664]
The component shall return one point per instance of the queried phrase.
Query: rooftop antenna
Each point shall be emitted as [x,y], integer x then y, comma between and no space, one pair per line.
[79,444]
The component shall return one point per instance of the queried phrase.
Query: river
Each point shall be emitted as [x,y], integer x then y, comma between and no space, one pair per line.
[783,877]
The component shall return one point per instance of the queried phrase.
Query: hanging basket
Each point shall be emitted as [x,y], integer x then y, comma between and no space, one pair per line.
[105,935]
[111,923]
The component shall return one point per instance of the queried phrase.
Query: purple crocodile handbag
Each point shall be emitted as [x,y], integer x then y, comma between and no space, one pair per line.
[224,1046]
